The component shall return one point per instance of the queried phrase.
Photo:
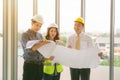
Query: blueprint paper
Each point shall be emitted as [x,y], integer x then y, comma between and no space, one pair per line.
[85,58]
[31,43]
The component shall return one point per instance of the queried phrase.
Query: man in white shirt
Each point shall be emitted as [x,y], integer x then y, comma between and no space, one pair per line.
[80,40]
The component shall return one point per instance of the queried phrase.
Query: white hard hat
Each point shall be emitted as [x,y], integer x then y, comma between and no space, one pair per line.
[53,25]
[38,18]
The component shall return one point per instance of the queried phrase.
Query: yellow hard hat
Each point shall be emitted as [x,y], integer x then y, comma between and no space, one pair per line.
[79,19]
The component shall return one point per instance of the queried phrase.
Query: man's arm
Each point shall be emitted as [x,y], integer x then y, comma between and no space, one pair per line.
[39,44]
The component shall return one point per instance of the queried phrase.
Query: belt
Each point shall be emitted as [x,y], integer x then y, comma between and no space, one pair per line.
[34,62]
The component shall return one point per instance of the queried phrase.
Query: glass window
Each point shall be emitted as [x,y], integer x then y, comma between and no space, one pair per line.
[25,14]
[69,11]
[47,9]
[1,38]
[101,44]
[97,24]
[117,41]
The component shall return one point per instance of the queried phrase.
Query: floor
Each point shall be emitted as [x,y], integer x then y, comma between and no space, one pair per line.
[99,73]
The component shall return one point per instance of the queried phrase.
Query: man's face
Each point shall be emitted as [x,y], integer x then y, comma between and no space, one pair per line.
[36,26]
[78,27]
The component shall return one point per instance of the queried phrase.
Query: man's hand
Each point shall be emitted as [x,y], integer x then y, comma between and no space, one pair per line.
[39,44]
[69,46]
[43,42]
[51,57]
[100,54]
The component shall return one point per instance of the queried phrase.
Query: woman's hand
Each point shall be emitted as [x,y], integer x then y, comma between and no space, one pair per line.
[59,42]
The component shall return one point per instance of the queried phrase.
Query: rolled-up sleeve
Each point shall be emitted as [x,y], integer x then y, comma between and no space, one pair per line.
[24,40]
[27,52]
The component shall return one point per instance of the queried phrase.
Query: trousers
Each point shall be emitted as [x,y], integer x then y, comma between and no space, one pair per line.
[80,74]
[32,71]
[51,77]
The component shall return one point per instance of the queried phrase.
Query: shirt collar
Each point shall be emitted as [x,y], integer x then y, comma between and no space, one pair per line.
[30,31]
[80,34]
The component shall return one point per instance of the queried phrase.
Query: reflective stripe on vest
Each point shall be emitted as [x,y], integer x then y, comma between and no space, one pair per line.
[49,68]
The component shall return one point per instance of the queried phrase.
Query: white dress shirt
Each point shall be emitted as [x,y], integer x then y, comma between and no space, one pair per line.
[85,41]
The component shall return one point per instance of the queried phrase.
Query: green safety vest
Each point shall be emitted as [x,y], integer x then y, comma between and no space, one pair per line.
[49,68]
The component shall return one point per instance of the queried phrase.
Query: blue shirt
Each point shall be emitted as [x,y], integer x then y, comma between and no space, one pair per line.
[30,55]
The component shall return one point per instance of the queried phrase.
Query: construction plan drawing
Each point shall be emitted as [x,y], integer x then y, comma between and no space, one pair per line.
[84,58]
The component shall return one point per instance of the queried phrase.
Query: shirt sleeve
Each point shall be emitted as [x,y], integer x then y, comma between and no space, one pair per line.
[90,42]
[24,40]
[69,41]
